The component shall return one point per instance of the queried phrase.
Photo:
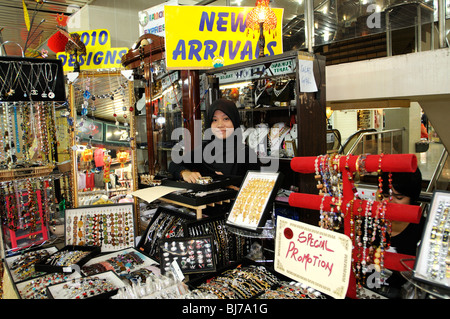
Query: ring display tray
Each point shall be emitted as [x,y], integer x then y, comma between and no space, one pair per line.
[202,197]
[109,226]
[217,182]
[101,286]
[253,202]
[68,259]
[432,264]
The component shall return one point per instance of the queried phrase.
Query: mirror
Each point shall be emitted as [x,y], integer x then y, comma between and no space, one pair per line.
[103,138]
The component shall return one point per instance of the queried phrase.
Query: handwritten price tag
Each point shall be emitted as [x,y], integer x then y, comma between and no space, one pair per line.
[314,256]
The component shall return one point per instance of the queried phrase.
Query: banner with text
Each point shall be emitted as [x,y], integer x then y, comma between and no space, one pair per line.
[200,37]
[99,54]
[314,256]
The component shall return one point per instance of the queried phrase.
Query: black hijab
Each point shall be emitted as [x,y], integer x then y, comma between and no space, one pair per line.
[226,106]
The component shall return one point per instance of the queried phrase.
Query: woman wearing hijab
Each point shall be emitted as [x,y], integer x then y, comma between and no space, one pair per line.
[222,151]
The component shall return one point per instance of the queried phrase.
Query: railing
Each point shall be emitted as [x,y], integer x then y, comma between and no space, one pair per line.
[388,141]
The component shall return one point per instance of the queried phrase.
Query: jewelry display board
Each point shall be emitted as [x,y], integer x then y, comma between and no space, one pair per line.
[433,260]
[21,266]
[36,288]
[68,259]
[193,255]
[102,286]
[122,262]
[253,202]
[166,223]
[31,79]
[205,183]
[228,246]
[110,227]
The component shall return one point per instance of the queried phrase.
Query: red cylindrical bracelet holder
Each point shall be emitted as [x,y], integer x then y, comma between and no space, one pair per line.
[398,212]
[389,163]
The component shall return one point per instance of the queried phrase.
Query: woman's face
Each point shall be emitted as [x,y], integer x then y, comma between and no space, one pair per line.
[221,125]
[398,198]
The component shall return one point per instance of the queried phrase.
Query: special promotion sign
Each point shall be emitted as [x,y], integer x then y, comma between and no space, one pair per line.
[314,256]
[99,54]
[201,37]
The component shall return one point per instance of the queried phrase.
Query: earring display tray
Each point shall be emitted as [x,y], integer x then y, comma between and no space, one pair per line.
[110,227]
[69,259]
[101,286]
[253,202]
[166,223]
[432,264]
[21,266]
[216,182]
[193,255]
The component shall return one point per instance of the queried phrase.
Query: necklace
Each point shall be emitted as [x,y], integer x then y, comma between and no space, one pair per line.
[278,92]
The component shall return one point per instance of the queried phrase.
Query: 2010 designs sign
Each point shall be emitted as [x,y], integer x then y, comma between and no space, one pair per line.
[99,54]
[197,37]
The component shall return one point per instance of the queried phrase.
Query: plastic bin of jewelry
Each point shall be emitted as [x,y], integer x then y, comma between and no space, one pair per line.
[432,264]
[22,265]
[166,223]
[254,200]
[198,198]
[206,183]
[108,226]
[121,262]
[191,255]
[36,288]
[101,286]
[68,260]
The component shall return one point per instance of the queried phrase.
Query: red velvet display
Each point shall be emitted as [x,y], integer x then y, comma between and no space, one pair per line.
[397,212]
[389,163]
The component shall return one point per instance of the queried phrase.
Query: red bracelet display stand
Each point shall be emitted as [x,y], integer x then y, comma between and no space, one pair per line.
[26,235]
[349,164]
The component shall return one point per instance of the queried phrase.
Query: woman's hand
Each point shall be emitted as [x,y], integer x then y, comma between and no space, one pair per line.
[190,177]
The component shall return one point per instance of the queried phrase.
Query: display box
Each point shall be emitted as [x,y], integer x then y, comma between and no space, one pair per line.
[69,259]
[198,198]
[101,286]
[165,223]
[254,200]
[215,183]
[36,288]
[110,227]
[432,264]
[22,266]
[121,262]
[191,254]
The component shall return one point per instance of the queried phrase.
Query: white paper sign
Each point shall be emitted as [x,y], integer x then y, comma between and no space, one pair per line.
[314,256]
[306,75]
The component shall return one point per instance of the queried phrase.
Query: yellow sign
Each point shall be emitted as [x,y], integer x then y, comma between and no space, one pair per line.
[314,256]
[200,37]
[99,54]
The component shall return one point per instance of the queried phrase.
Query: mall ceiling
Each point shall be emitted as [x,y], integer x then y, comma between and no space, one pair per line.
[329,15]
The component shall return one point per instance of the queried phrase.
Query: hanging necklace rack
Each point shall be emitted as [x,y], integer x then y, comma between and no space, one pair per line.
[30,79]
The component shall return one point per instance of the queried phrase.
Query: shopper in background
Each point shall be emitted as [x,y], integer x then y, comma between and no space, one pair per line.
[405,237]
[406,188]
[224,153]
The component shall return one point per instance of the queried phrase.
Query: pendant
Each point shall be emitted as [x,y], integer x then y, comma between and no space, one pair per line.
[44,95]
[51,95]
